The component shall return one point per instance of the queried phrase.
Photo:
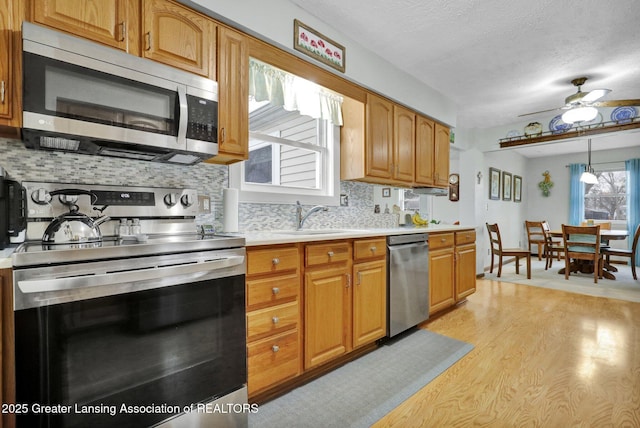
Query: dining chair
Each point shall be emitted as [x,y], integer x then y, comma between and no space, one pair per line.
[582,243]
[557,242]
[553,247]
[605,225]
[535,236]
[497,250]
[608,252]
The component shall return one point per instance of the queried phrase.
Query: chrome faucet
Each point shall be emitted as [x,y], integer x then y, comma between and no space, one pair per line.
[300,219]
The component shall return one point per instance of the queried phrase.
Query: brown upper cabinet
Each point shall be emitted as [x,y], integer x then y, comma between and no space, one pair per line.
[11,13]
[441,159]
[382,142]
[178,36]
[112,23]
[233,97]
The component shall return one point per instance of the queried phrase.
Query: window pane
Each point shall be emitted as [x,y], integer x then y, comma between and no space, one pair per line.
[607,199]
[258,168]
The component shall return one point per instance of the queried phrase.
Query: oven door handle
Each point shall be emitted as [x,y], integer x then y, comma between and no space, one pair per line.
[123,277]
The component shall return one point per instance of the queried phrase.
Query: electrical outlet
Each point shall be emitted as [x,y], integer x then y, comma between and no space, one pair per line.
[204,204]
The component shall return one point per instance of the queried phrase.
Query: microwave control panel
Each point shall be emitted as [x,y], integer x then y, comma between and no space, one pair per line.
[203,119]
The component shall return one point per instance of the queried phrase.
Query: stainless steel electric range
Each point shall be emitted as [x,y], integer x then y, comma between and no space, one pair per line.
[125,315]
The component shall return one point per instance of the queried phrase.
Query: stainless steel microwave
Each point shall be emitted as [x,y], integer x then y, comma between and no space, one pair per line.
[79,96]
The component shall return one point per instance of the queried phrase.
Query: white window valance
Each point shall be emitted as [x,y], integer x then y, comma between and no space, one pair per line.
[267,83]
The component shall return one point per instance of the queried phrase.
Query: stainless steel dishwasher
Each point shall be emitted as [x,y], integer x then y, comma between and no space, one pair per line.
[407,281]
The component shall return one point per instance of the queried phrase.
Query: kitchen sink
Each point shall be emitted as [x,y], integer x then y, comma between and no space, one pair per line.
[312,231]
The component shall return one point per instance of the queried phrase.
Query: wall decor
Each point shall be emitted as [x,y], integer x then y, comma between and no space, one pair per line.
[517,188]
[494,183]
[546,184]
[386,192]
[506,186]
[317,46]
[454,187]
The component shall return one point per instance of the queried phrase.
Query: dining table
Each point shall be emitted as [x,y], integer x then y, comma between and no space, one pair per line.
[606,235]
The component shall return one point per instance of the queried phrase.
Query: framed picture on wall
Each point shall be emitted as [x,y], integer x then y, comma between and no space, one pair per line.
[517,188]
[494,183]
[506,186]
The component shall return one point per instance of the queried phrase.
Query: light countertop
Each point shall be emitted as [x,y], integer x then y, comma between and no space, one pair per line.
[274,237]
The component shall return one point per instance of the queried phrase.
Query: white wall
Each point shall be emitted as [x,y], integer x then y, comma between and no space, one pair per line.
[273,21]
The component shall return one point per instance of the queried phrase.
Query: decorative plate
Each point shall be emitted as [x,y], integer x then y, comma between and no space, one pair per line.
[623,114]
[533,129]
[557,126]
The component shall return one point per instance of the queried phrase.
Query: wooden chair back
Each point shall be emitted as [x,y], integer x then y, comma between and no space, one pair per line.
[604,225]
[494,238]
[582,243]
[634,246]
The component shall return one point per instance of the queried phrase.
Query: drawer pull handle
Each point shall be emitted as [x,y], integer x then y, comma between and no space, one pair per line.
[275,348]
[123,31]
[443,240]
[147,37]
[2,91]
[373,249]
[275,320]
[330,253]
[275,261]
[275,290]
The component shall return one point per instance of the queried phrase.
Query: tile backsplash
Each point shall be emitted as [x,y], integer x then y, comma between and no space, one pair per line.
[23,164]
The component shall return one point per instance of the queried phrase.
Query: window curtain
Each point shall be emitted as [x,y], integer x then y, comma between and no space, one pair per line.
[576,194]
[633,199]
[267,83]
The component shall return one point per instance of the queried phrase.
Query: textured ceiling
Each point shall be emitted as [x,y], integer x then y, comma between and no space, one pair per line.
[499,58]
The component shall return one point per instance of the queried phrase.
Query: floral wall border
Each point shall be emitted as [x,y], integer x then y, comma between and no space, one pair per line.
[317,46]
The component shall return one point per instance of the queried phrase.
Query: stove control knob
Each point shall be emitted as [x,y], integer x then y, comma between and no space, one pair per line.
[187,200]
[170,199]
[41,197]
[68,199]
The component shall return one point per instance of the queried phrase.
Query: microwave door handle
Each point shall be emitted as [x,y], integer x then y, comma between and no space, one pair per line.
[126,277]
[183,120]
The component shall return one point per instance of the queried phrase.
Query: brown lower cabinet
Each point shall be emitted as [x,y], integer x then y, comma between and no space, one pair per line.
[297,322]
[7,375]
[452,263]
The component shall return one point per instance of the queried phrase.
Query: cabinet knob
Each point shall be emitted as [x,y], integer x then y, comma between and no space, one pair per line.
[275,348]
[275,290]
[373,249]
[275,320]
[275,261]
[330,253]
[443,240]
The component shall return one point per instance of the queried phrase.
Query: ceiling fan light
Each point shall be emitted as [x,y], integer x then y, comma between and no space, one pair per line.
[580,114]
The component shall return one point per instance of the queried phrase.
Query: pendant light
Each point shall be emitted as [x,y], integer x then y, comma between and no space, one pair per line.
[588,176]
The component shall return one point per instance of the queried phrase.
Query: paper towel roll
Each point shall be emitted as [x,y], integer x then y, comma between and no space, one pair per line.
[230,210]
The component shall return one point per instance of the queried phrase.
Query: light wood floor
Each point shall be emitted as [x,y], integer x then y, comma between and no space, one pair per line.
[542,358]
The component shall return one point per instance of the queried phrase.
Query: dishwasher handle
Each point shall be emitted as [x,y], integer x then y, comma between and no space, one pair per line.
[422,244]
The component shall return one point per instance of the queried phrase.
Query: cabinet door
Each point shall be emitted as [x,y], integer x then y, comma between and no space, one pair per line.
[404,143]
[233,97]
[379,137]
[441,165]
[178,36]
[5,59]
[441,279]
[113,23]
[465,271]
[425,150]
[327,315]
[369,302]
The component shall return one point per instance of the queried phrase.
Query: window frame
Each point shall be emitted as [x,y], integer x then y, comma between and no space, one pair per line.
[328,168]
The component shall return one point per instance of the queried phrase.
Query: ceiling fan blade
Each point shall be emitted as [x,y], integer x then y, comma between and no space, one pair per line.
[541,111]
[616,103]
[596,94]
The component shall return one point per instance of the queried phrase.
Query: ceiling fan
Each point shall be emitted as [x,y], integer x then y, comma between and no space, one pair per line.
[581,106]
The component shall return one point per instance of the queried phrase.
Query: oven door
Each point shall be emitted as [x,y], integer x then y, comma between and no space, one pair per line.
[130,359]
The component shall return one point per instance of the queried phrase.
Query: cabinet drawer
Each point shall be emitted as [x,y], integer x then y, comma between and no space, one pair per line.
[368,248]
[272,360]
[273,290]
[272,320]
[319,254]
[465,237]
[440,240]
[272,260]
